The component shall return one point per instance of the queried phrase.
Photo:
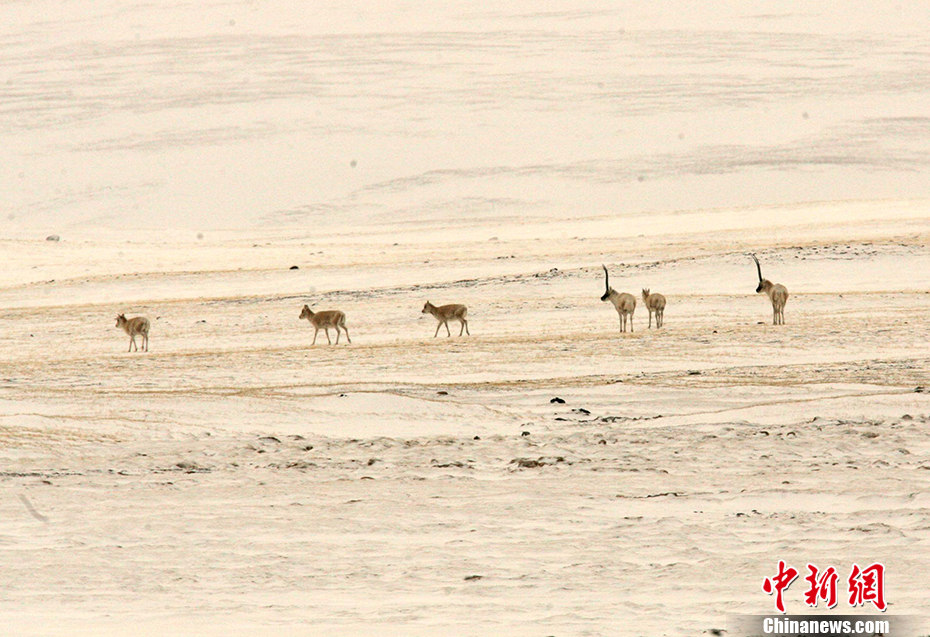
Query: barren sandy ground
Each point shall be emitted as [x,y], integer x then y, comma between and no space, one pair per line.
[236,480]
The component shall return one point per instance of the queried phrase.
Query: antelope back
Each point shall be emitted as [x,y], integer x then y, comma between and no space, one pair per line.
[453,310]
[779,293]
[625,302]
[328,318]
[654,301]
[136,325]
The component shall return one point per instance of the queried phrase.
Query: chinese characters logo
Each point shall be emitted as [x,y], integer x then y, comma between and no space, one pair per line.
[864,585]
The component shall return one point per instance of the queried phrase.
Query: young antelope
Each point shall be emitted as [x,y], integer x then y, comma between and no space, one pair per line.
[136,325]
[655,303]
[778,295]
[446,313]
[324,321]
[625,303]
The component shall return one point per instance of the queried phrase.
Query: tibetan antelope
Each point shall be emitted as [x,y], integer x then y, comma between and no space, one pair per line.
[446,313]
[625,303]
[324,321]
[778,294]
[655,303]
[136,325]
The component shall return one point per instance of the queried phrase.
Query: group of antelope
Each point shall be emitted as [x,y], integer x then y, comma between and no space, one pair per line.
[623,302]
[139,325]
[655,303]
[626,304]
[336,319]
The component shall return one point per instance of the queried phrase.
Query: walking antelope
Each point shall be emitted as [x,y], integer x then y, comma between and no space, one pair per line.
[655,303]
[778,294]
[625,303]
[324,321]
[446,313]
[136,325]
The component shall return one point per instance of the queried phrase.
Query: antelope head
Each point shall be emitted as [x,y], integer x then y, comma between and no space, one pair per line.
[426,308]
[607,289]
[120,320]
[306,312]
[645,294]
[763,283]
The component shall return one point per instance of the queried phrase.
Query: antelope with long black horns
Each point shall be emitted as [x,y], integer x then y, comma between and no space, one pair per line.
[623,302]
[777,293]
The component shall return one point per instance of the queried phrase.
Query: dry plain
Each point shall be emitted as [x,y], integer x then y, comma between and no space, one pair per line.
[236,480]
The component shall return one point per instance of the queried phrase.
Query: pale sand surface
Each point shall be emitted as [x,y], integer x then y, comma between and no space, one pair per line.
[235,481]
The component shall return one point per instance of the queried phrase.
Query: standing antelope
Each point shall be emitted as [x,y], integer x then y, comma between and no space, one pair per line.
[446,313]
[625,303]
[655,303]
[136,325]
[324,321]
[778,294]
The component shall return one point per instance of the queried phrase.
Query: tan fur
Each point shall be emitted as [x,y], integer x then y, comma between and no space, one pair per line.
[655,303]
[325,320]
[136,325]
[446,313]
[777,293]
[624,303]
